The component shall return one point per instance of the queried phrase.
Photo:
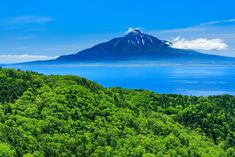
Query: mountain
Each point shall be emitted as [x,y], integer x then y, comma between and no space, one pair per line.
[133,46]
[136,47]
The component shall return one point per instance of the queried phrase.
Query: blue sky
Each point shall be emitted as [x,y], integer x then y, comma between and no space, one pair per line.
[49,28]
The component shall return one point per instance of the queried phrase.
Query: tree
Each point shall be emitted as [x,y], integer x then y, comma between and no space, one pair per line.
[6,150]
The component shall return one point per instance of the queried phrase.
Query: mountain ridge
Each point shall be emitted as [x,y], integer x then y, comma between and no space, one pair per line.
[134,45]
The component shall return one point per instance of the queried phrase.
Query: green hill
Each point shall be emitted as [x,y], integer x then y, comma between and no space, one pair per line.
[71,116]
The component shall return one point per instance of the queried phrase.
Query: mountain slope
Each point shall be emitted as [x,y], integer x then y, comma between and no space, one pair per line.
[134,46]
[71,116]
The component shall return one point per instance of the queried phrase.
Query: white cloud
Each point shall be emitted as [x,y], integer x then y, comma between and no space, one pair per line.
[198,28]
[28,20]
[217,22]
[5,59]
[221,29]
[199,44]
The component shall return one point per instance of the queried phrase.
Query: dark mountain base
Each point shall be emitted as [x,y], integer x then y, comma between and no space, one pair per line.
[143,61]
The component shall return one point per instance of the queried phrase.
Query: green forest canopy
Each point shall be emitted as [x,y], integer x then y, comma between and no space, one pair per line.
[72,116]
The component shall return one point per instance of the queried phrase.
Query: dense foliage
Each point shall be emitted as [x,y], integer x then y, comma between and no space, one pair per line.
[71,116]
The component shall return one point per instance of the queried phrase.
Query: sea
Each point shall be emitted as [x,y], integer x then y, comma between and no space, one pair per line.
[193,79]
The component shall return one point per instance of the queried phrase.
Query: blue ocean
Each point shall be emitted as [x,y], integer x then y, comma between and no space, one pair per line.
[198,80]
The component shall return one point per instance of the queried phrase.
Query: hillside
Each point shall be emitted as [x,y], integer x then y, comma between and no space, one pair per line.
[71,116]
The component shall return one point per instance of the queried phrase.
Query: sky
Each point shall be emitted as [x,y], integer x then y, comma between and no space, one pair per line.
[45,29]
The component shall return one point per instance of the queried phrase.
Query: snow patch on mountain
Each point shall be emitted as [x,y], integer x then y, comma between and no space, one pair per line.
[134,30]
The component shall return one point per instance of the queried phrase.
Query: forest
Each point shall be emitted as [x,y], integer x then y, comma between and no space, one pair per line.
[70,116]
